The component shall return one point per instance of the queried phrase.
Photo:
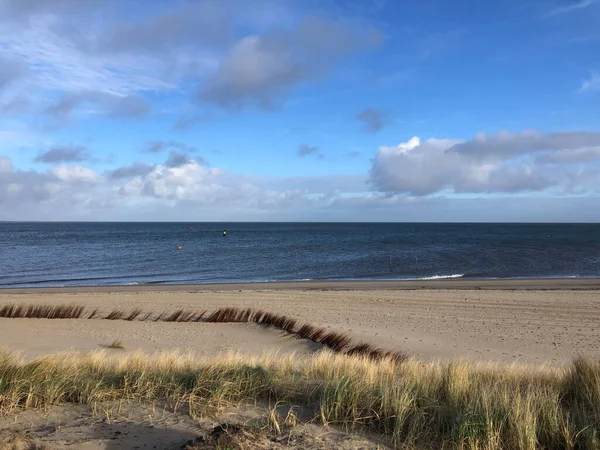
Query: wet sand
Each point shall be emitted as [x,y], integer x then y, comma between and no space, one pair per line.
[460,283]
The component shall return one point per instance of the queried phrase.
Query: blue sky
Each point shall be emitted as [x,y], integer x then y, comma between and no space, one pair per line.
[300,110]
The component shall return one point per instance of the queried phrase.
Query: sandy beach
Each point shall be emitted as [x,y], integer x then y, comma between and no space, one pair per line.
[529,322]
[526,321]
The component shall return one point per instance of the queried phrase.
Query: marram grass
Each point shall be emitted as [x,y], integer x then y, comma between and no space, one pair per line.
[412,405]
[338,342]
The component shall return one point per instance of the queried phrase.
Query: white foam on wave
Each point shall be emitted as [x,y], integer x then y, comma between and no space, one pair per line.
[442,277]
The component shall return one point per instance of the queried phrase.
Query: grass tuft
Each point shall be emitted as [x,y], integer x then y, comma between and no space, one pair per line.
[116,345]
[132,315]
[412,405]
[41,311]
[115,315]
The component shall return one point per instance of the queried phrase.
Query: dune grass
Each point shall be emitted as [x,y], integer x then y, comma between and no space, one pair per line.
[412,405]
[42,311]
[116,345]
[337,342]
[355,385]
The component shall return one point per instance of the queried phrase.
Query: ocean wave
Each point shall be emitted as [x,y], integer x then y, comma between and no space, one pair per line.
[442,277]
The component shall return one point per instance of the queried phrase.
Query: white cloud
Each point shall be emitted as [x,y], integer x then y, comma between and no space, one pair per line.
[5,164]
[78,191]
[402,148]
[572,156]
[405,178]
[72,174]
[195,192]
[500,163]
[58,63]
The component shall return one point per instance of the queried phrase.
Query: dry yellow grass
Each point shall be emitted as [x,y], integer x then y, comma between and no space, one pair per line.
[412,404]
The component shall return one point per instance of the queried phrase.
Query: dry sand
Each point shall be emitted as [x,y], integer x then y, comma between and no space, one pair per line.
[140,426]
[478,320]
[531,322]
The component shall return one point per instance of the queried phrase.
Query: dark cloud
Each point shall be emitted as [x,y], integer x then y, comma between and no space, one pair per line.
[373,119]
[256,71]
[505,144]
[498,163]
[128,106]
[198,23]
[110,105]
[160,146]
[10,71]
[178,159]
[261,69]
[305,150]
[64,154]
[134,170]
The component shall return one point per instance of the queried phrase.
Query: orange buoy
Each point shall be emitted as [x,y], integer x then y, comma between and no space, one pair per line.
[180,248]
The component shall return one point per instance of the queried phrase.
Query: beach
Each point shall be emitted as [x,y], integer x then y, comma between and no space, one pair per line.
[525,321]
[512,324]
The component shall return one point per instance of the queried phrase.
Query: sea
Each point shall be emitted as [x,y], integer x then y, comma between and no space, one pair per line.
[94,254]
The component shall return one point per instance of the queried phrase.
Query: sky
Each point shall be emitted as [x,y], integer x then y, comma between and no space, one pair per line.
[300,110]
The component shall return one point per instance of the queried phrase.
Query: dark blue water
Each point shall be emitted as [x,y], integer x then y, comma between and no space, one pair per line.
[68,254]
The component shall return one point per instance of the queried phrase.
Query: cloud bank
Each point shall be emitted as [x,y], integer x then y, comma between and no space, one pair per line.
[558,172]
[181,184]
[567,162]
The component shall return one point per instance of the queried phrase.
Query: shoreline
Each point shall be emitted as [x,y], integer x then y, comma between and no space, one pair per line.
[333,285]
